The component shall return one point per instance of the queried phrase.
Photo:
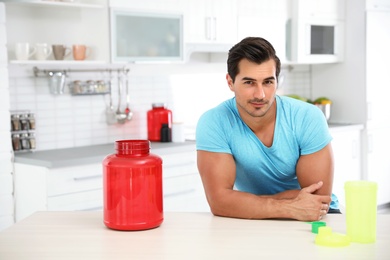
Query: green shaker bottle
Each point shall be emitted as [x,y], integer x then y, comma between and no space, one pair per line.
[361,210]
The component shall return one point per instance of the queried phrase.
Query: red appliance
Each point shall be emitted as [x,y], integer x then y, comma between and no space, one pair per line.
[132,187]
[157,117]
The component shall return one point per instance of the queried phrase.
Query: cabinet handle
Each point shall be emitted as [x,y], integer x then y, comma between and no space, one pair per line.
[208,28]
[369,111]
[354,149]
[180,164]
[181,175]
[93,208]
[214,27]
[370,144]
[87,178]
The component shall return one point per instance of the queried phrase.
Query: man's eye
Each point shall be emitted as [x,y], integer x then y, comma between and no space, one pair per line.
[249,82]
[269,82]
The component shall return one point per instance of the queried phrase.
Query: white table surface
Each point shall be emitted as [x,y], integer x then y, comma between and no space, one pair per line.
[82,235]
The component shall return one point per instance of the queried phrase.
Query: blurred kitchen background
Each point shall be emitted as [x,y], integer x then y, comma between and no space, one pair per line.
[194,80]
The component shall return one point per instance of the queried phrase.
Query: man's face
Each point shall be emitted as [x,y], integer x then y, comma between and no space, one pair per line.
[255,87]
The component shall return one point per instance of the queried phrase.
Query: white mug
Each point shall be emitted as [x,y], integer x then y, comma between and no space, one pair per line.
[43,51]
[23,51]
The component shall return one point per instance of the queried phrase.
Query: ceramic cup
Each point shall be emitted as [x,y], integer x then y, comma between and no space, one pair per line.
[23,51]
[43,51]
[60,51]
[80,52]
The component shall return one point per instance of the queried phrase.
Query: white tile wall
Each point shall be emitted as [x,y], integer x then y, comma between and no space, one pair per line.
[69,121]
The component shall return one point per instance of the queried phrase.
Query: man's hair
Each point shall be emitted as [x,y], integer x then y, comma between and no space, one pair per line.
[254,49]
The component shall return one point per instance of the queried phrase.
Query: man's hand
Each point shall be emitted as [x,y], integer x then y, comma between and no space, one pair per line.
[307,206]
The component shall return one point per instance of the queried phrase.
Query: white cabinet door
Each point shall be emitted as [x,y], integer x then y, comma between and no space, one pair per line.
[378,162]
[377,49]
[210,21]
[321,9]
[346,150]
[253,17]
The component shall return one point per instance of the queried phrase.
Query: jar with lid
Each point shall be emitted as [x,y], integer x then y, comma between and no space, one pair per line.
[156,117]
[31,139]
[132,187]
[25,142]
[31,121]
[25,125]
[15,123]
[16,145]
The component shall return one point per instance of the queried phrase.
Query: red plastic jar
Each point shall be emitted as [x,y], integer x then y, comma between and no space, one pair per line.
[156,117]
[132,187]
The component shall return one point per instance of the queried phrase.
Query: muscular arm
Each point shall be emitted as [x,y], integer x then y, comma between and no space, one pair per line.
[218,171]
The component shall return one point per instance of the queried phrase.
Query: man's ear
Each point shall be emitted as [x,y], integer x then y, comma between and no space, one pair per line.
[229,81]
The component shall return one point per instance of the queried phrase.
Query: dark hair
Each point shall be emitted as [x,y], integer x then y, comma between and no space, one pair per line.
[254,49]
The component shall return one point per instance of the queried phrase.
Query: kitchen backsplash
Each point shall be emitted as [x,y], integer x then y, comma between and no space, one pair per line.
[64,121]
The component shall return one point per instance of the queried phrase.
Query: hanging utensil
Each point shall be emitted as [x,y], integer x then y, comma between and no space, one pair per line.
[121,117]
[128,112]
[110,111]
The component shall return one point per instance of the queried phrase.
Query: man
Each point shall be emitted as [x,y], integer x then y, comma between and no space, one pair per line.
[261,155]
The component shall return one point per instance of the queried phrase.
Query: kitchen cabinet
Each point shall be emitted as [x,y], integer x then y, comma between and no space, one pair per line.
[320,9]
[80,187]
[59,23]
[359,94]
[315,32]
[210,22]
[253,17]
[347,159]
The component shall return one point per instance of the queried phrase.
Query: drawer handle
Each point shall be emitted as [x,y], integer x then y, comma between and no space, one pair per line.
[87,178]
[179,193]
[181,175]
[93,209]
[180,164]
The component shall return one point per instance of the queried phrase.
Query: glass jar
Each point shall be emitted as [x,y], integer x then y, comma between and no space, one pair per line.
[15,123]
[132,187]
[156,117]
[31,121]
[16,145]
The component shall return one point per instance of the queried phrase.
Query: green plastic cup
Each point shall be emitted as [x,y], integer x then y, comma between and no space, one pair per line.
[361,210]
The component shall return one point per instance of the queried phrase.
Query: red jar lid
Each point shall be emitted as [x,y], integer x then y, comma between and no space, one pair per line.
[132,146]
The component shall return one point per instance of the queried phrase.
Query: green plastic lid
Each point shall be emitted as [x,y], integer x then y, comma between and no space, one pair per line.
[315,225]
[325,237]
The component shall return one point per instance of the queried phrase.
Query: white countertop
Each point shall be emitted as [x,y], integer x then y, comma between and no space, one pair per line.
[95,153]
[66,157]
[82,235]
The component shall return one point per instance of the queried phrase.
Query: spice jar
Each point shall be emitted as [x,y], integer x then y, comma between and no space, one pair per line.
[132,187]
[24,122]
[16,142]
[25,142]
[15,123]
[31,121]
[31,139]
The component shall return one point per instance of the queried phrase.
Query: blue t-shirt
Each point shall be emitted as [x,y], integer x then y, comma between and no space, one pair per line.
[300,129]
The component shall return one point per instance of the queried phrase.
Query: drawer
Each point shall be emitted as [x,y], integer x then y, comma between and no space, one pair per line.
[89,200]
[75,179]
[181,185]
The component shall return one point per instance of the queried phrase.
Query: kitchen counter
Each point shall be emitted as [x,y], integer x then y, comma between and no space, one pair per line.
[82,235]
[96,153]
[87,154]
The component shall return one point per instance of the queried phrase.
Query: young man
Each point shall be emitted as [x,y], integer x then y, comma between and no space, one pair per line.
[261,155]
